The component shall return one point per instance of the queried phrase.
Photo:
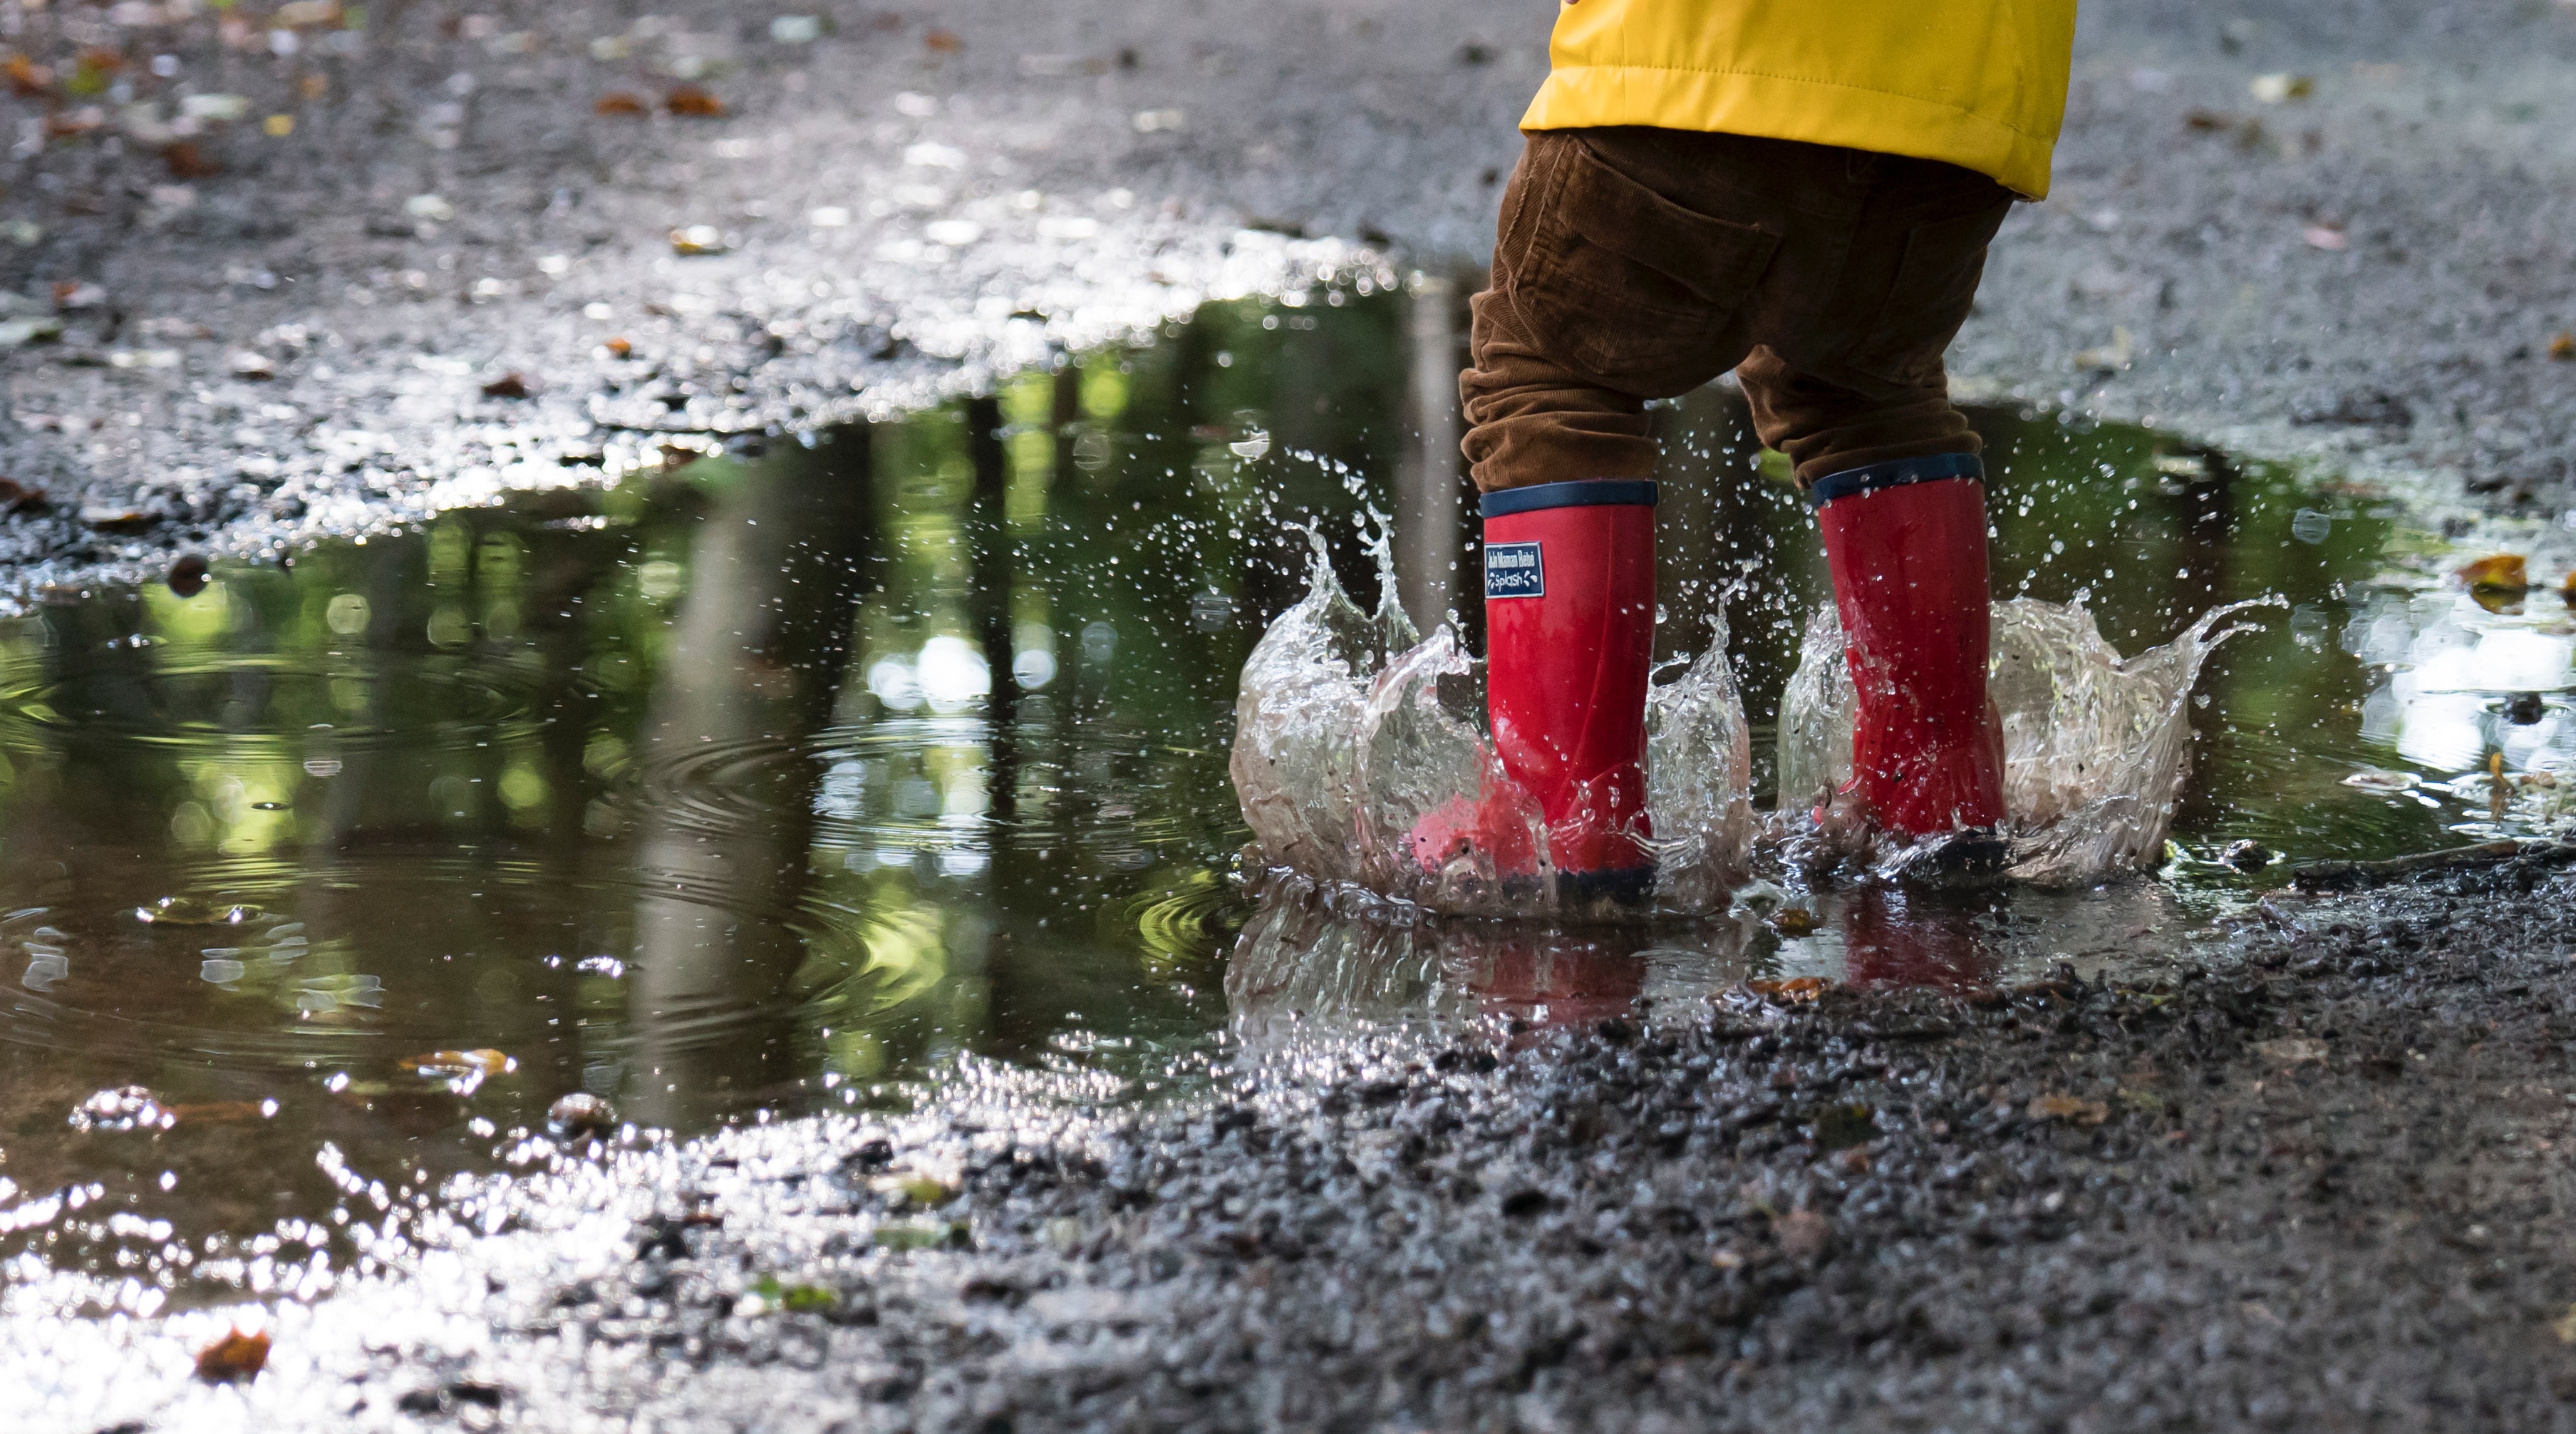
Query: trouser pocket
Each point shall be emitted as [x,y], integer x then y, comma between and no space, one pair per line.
[1617,282]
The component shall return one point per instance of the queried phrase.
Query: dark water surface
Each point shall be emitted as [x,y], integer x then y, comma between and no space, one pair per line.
[771,781]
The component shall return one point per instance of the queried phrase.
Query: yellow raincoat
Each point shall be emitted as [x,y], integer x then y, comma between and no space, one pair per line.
[1979,83]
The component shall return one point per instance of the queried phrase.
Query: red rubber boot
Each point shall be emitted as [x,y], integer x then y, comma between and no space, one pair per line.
[1569,637]
[1906,541]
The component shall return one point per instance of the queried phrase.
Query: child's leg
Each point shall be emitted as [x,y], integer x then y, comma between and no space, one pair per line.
[1901,503]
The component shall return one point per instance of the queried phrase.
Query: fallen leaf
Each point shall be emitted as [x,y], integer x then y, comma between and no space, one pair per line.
[921,1190]
[1793,921]
[447,1065]
[15,496]
[28,79]
[2562,345]
[697,239]
[255,367]
[691,102]
[618,348]
[186,160]
[1795,989]
[771,1294]
[37,329]
[2567,590]
[2291,1051]
[508,385]
[1802,1234]
[941,42]
[2069,1107]
[2565,1326]
[2280,87]
[235,1357]
[622,103]
[2504,571]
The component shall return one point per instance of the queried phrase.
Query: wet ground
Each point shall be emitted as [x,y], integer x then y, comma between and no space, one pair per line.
[887,773]
[2320,1185]
[307,321]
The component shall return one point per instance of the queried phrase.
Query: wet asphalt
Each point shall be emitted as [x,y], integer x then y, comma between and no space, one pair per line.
[485,253]
[2317,1184]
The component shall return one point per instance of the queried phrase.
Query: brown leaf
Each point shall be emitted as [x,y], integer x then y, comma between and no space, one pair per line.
[2068,1107]
[942,42]
[1793,921]
[1795,989]
[622,103]
[618,348]
[691,102]
[508,385]
[235,1357]
[449,1064]
[15,496]
[2503,571]
[186,160]
[2562,345]
[27,79]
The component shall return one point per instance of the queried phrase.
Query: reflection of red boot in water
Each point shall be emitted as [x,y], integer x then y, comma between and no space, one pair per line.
[1906,541]
[1570,629]
[1888,941]
[1553,979]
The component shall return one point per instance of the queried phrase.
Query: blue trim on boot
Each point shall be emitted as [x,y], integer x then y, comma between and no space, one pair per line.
[1581,493]
[1895,473]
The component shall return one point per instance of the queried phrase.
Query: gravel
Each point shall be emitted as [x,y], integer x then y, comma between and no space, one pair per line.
[2314,1183]
[271,338]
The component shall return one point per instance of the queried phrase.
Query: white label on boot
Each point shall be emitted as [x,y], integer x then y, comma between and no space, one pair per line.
[1513,570]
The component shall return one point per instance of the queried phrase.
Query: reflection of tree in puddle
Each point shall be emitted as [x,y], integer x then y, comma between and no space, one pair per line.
[1303,967]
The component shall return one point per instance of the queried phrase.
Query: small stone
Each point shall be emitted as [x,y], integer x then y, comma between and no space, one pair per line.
[188,576]
[2247,855]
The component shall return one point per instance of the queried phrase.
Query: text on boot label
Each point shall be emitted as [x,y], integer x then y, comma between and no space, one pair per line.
[1514,570]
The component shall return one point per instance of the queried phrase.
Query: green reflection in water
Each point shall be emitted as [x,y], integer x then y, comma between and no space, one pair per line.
[776,780]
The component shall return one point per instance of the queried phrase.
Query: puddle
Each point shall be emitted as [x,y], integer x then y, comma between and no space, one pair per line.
[773,782]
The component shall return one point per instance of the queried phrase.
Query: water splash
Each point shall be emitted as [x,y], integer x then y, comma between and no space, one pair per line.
[2096,746]
[1351,728]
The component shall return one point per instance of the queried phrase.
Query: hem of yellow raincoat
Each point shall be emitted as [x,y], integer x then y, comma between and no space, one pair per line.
[1785,107]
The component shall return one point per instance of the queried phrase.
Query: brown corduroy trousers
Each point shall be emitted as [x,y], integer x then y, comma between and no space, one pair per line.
[1635,263]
